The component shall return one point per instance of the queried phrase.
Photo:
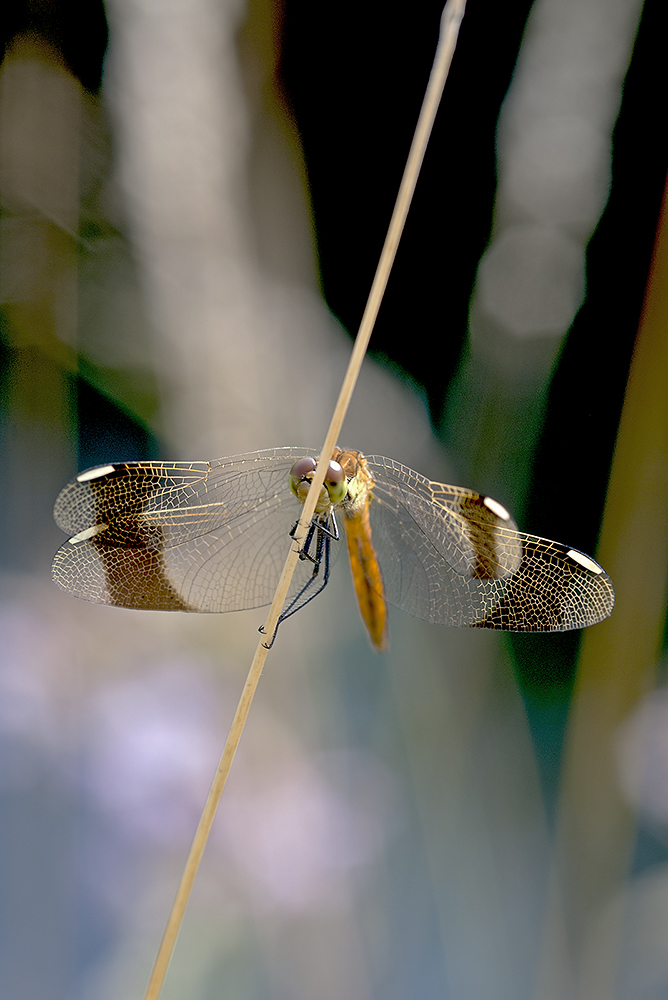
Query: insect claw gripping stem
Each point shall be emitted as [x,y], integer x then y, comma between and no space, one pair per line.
[268,645]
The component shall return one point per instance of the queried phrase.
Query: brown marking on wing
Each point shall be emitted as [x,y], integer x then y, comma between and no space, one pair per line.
[132,553]
[482,527]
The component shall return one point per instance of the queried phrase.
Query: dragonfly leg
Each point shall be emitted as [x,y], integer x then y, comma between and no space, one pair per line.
[321,558]
[334,533]
[322,528]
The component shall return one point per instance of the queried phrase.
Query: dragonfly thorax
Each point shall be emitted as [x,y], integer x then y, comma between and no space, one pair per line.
[360,480]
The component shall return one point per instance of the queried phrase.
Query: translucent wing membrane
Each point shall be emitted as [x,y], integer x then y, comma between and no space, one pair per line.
[213,536]
[454,557]
[186,536]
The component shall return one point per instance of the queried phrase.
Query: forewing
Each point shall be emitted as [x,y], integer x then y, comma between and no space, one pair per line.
[453,557]
[191,536]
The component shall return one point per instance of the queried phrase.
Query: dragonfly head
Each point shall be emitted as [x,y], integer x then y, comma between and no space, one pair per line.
[333,491]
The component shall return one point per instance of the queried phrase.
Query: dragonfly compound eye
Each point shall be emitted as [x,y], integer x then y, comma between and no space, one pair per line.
[301,474]
[336,482]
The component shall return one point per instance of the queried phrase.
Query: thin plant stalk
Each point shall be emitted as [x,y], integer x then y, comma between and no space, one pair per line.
[449,29]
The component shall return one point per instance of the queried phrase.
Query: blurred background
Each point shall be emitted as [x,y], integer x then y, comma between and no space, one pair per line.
[193,199]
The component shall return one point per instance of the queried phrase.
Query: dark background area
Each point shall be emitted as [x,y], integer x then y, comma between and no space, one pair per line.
[355,87]
[77,29]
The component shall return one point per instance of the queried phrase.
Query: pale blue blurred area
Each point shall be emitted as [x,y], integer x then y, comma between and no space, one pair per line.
[381,832]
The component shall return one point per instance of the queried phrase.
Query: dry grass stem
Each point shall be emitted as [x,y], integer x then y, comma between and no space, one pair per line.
[450,21]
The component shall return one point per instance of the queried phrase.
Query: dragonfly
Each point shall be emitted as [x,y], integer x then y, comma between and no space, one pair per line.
[213,537]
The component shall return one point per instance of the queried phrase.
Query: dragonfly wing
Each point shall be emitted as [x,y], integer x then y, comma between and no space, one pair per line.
[202,536]
[555,589]
[454,557]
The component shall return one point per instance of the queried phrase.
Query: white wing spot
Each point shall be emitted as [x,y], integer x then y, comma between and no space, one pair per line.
[496,508]
[101,470]
[87,533]
[583,560]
